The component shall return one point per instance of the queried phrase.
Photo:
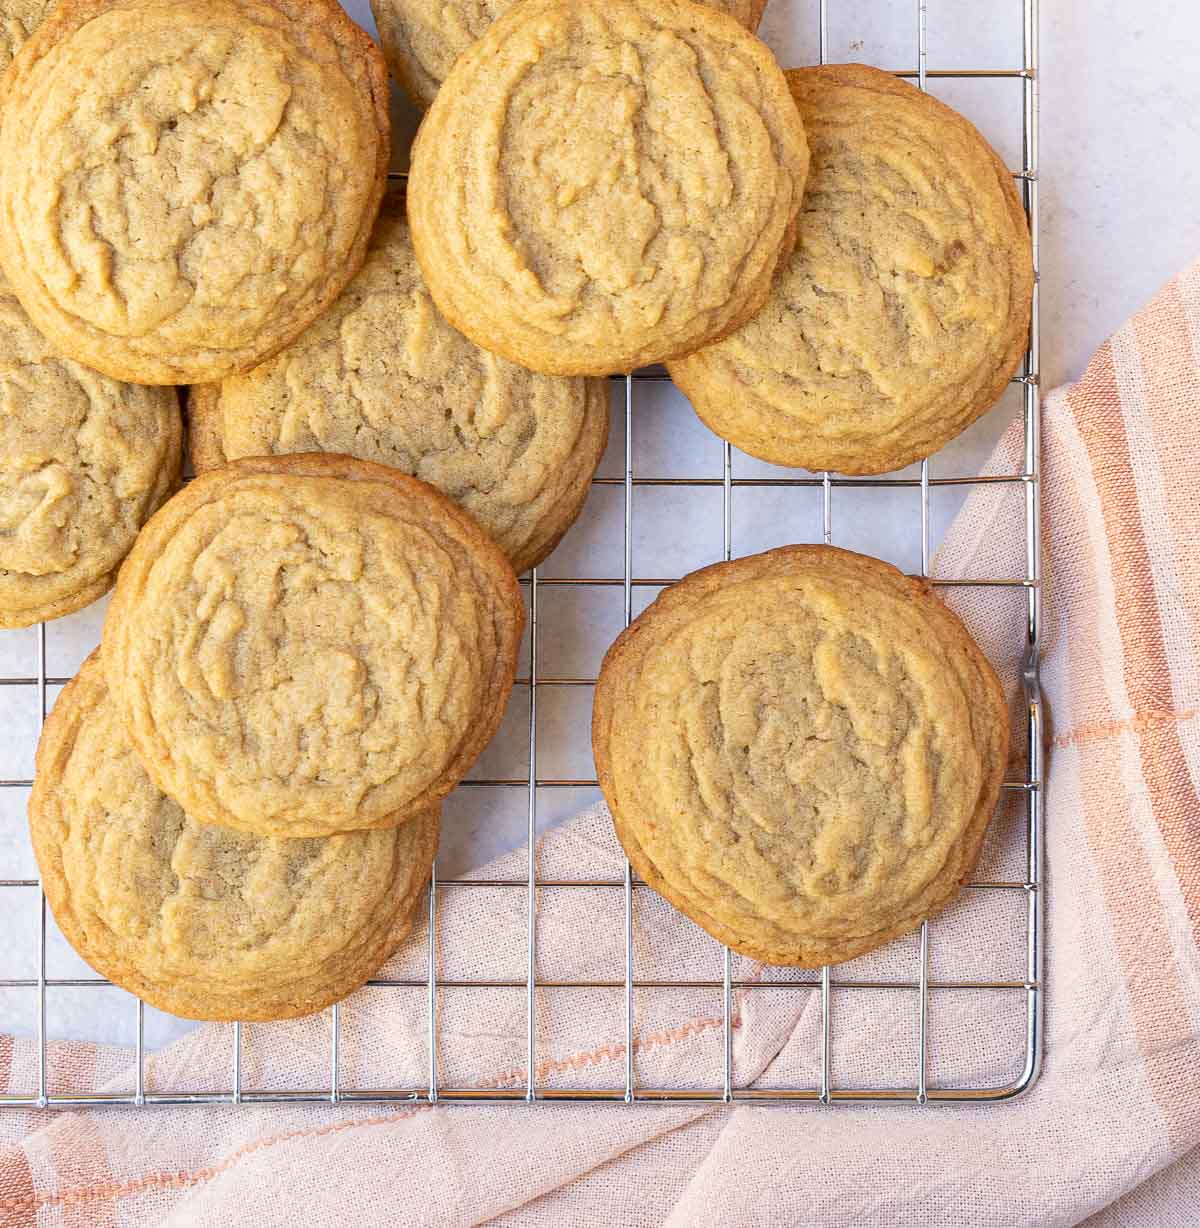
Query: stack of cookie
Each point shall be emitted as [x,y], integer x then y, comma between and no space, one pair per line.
[834,265]
[216,222]
[237,799]
[396,401]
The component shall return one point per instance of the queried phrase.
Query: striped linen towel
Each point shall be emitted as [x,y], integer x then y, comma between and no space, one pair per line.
[1109,1136]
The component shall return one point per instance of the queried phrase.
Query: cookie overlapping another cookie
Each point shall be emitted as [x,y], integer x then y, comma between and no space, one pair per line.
[198,920]
[604,184]
[382,376]
[309,644]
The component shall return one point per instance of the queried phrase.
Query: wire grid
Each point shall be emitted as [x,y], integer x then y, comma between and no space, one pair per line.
[1029,789]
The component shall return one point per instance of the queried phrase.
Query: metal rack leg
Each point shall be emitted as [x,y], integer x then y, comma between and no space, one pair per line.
[727,958]
[629,1071]
[139,1088]
[41,992]
[826,1038]
[335,1036]
[237,1063]
[1034,800]
[432,1020]
[531,839]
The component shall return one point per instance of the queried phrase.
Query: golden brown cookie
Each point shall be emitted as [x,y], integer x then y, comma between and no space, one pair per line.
[382,376]
[801,751]
[904,308]
[188,183]
[601,185]
[307,644]
[198,920]
[84,461]
[18,20]
[422,38]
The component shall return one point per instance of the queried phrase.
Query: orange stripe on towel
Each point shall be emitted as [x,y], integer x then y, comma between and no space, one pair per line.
[1097,410]
[1161,1016]
[17,1199]
[19,1202]
[1139,722]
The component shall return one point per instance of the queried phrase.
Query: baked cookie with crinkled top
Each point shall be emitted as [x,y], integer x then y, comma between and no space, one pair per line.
[903,310]
[422,38]
[308,644]
[18,20]
[602,185]
[198,920]
[801,750]
[382,376]
[186,185]
[84,461]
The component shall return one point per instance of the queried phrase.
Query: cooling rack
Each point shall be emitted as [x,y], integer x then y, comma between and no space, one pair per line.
[914,1086]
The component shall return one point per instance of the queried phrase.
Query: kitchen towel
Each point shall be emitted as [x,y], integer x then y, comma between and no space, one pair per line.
[1108,1136]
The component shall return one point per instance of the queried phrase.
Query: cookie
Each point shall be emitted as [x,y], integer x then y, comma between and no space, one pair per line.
[84,461]
[198,920]
[903,310]
[18,20]
[186,185]
[599,186]
[307,644]
[801,751]
[422,38]
[382,376]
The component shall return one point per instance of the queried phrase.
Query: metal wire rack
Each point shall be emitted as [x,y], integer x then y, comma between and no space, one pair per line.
[1027,789]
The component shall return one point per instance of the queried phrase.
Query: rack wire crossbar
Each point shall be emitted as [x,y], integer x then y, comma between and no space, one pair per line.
[725,1087]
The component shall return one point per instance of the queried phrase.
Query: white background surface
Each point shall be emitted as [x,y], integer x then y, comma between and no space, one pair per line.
[1120,176]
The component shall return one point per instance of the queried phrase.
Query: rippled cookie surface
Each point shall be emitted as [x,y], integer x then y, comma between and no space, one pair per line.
[599,186]
[18,20]
[903,309]
[186,185]
[199,920]
[307,644]
[423,38]
[382,376]
[84,460]
[801,750]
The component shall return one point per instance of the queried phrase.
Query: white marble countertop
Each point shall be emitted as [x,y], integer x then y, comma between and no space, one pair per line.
[1120,178]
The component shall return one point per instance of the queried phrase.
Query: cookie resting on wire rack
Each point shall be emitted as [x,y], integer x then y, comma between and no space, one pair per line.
[801,750]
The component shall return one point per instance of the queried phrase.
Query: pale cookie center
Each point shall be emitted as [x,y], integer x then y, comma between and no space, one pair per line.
[399,384]
[337,654]
[199,898]
[79,454]
[383,376]
[36,503]
[805,755]
[618,170]
[895,289]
